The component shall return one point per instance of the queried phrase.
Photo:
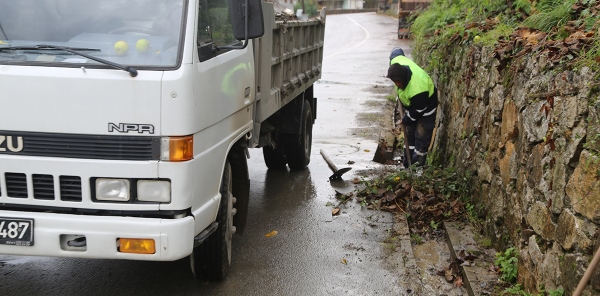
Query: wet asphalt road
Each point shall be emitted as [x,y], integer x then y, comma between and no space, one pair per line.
[306,256]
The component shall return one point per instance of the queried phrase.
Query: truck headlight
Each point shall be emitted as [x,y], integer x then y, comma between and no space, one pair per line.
[177,148]
[151,190]
[112,189]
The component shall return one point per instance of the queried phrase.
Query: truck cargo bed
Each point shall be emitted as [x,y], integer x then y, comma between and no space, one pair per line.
[289,60]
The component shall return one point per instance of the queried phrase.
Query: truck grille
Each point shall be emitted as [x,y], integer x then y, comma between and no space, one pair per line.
[80,146]
[43,187]
[70,188]
[16,185]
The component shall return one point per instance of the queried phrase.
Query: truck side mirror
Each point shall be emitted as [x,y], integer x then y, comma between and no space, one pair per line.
[246,19]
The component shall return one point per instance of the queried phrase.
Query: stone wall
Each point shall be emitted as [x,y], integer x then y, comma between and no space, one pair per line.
[531,135]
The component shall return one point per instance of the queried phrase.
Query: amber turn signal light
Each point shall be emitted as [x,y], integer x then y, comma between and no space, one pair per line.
[137,245]
[181,148]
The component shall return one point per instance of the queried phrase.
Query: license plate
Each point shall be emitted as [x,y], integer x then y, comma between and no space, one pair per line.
[16,231]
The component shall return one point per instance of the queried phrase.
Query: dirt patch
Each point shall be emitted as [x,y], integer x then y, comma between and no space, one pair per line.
[381,89]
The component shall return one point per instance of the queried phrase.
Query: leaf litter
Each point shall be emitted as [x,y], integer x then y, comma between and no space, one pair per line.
[425,204]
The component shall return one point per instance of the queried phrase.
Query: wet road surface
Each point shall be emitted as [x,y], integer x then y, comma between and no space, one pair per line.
[313,252]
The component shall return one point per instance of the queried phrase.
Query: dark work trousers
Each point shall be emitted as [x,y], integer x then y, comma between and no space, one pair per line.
[419,137]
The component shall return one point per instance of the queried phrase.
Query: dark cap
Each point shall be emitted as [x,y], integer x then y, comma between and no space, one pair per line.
[397,51]
[397,72]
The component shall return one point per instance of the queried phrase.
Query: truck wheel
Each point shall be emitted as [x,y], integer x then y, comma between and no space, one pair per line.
[275,156]
[211,260]
[298,147]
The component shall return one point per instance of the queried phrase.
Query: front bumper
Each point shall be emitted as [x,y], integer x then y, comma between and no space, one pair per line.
[173,237]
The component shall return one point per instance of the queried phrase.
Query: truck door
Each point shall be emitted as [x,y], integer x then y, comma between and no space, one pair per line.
[224,79]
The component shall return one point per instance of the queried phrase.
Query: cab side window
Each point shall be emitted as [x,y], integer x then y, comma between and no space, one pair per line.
[214,24]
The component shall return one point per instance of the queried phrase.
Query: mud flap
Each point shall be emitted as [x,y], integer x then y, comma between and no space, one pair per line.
[241,186]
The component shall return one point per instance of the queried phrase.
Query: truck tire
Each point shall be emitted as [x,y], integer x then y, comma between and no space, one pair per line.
[298,147]
[275,156]
[212,258]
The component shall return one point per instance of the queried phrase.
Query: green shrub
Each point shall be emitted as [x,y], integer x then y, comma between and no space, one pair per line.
[508,264]
[310,7]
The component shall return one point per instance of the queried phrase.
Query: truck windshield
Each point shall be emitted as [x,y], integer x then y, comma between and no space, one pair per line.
[140,33]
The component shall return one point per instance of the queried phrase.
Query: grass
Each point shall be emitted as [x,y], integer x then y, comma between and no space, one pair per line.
[491,37]
[462,21]
[416,239]
[589,57]
[551,14]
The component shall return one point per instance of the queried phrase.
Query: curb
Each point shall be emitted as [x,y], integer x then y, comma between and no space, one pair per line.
[476,276]
[410,272]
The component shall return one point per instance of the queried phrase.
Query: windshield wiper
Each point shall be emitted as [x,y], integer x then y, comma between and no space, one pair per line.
[46,47]
[74,50]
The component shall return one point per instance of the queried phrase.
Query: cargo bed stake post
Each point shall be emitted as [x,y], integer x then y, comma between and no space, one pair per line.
[337,174]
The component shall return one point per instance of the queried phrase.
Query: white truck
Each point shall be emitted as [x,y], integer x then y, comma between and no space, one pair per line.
[124,124]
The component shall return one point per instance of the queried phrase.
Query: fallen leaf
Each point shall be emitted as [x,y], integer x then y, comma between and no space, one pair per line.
[335,211]
[448,275]
[454,266]
[367,150]
[401,193]
[271,234]
[431,200]
[344,261]
[416,194]
[388,196]
[356,181]
[458,282]
[470,257]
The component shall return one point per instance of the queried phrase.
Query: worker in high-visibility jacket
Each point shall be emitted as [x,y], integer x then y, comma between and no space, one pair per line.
[418,96]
